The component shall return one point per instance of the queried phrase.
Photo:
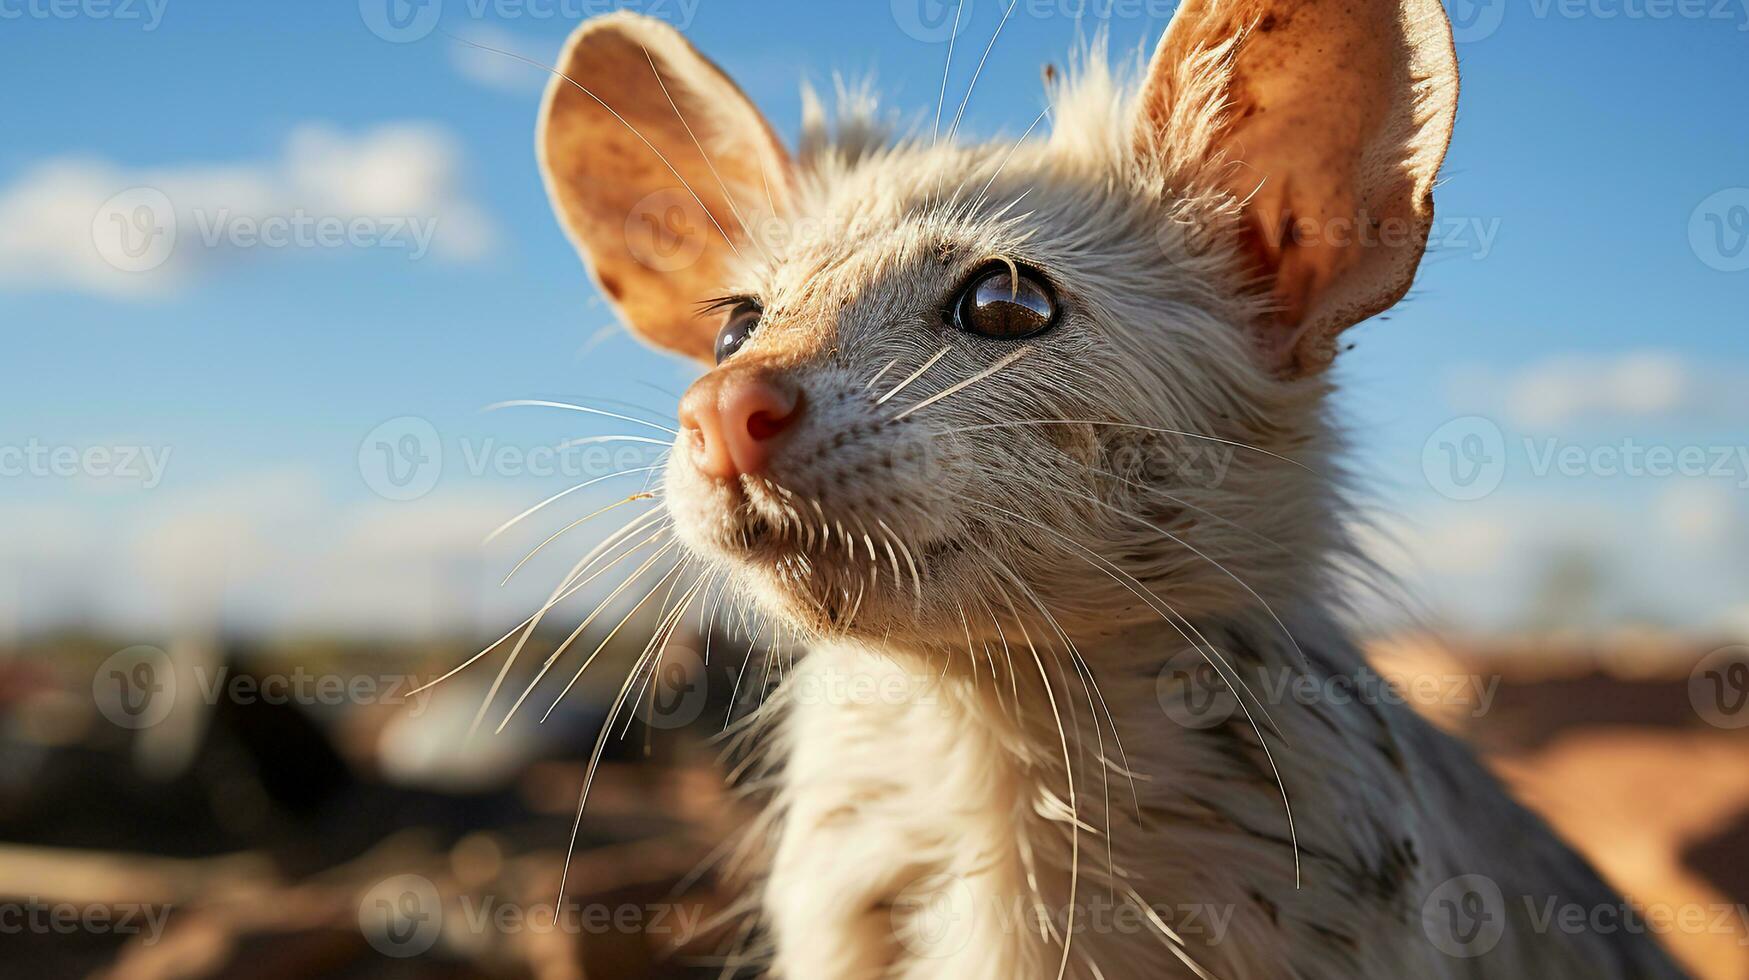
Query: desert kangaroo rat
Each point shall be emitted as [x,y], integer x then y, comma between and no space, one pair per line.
[1028,442]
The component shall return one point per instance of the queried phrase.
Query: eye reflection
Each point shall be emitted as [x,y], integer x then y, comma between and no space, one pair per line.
[1002,306]
[739,328]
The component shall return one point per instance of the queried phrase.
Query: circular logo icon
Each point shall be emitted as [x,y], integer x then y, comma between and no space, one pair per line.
[934,917]
[1465,917]
[940,461]
[401,916]
[135,231]
[400,21]
[1718,230]
[666,231]
[678,689]
[1475,20]
[1465,459]
[1193,692]
[136,687]
[1719,688]
[402,458]
[932,21]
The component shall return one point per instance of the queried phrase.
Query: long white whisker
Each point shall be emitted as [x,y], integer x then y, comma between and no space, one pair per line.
[518,519]
[1092,682]
[588,781]
[1148,598]
[946,69]
[958,387]
[735,693]
[1004,164]
[675,573]
[623,403]
[572,526]
[1007,654]
[659,641]
[882,373]
[667,623]
[600,607]
[594,440]
[1171,940]
[534,622]
[960,113]
[915,375]
[1104,764]
[1074,809]
[1187,505]
[1165,611]
[911,563]
[746,229]
[1200,554]
[567,406]
[1020,423]
[559,595]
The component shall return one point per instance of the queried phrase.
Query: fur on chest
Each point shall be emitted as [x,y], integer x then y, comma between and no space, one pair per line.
[936,825]
[963,824]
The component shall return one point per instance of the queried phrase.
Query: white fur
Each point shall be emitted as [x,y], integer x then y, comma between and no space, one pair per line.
[953,801]
[1001,590]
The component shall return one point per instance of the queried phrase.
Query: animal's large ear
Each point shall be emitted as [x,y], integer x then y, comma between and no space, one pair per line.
[1327,120]
[660,170]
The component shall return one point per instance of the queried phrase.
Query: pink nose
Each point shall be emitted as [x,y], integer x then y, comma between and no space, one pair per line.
[735,418]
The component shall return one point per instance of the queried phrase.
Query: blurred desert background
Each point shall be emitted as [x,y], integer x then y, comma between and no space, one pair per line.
[339,836]
[263,265]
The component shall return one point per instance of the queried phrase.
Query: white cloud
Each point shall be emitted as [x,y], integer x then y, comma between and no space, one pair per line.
[1633,385]
[500,68]
[1629,386]
[272,549]
[275,551]
[1516,559]
[1734,622]
[1697,513]
[94,226]
[279,551]
[203,539]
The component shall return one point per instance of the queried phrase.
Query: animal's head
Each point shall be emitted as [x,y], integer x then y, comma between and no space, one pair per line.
[953,384]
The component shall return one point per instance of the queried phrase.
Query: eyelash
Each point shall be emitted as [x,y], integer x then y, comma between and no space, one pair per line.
[721,303]
[971,276]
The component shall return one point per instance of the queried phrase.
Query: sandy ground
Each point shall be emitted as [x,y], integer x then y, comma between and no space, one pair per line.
[1605,743]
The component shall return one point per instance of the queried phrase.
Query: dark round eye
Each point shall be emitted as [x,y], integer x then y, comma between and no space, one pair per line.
[738,329]
[1000,305]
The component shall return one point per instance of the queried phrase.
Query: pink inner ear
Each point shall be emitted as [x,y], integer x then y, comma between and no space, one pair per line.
[1296,255]
[1325,118]
[659,168]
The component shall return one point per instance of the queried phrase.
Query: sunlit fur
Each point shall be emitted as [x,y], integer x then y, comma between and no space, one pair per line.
[910,834]
[860,281]
[1005,560]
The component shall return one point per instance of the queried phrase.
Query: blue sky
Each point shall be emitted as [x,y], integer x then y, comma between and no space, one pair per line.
[1565,298]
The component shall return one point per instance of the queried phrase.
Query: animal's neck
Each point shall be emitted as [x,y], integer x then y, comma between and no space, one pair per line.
[955,823]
